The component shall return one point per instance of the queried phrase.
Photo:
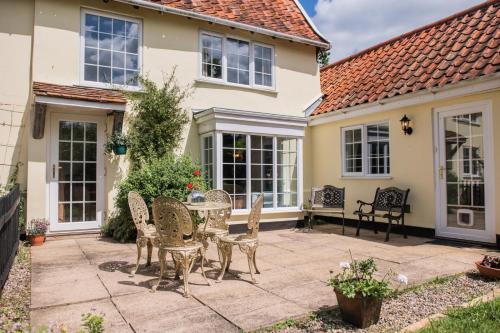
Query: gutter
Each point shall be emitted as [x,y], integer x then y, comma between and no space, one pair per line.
[465,88]
[228,23]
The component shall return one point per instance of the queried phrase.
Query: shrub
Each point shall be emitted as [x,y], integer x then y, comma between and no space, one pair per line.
[158,120]
[167,176]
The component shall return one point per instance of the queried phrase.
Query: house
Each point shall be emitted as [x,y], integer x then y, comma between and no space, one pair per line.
[254,70]
[265,118]
[444,77]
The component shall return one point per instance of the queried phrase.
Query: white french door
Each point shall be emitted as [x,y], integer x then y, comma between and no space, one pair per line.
[76,172]
[465,203]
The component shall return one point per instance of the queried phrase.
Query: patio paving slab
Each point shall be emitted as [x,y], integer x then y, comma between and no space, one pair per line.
[71,275]
[70,316]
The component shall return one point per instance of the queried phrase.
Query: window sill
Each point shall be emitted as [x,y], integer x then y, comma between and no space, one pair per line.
[238,212]
[222,83]
[109,86]
[368,177]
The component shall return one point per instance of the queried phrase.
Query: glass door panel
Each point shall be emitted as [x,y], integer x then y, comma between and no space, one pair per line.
[77,172]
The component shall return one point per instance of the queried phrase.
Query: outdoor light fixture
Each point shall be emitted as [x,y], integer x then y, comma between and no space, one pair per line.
[405,125]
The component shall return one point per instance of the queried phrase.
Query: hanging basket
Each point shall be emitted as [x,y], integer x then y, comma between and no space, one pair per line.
[120,149]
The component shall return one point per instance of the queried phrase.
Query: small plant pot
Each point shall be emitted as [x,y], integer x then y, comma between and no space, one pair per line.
[120,149]
[488,271]
[359,311]
[36,240]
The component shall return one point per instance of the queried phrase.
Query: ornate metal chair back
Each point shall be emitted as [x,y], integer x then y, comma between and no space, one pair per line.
[173,221]
[327,196]
[139,211]
[254,217]
[390,197]
[217,219]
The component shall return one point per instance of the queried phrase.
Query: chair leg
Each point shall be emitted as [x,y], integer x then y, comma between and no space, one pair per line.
[249,251]
[403,226]
[343,224]
[388,230]
[139,251]
[150,252]
[254,261]
[177,267]
[162,258]
[202,253]
[225,249]
[186,267]
[359,225]
[375,231]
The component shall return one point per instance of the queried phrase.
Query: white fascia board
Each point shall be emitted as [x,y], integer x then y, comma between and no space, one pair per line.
[466,88]
[226,120]
[228,23]
[79,103]
[309,20]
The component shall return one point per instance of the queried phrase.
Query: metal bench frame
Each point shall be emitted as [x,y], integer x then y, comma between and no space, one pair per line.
[391,202]
[326,199]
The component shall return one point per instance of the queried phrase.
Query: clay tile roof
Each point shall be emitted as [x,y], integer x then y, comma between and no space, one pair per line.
[460,47]
[78,92]
[283,16]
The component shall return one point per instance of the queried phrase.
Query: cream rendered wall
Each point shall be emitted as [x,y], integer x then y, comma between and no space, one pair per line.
[168,42]
[411,157]
[16,34]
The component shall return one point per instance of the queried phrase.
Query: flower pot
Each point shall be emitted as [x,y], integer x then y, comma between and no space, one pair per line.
[120,149]
[488,271]
[196,198]
[36,240]
[359,311]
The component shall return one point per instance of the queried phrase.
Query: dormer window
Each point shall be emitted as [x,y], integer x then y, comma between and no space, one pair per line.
[236,62]
[110,50]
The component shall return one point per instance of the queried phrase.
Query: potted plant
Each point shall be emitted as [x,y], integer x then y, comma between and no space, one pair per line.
[359,294]
[489,266]
[196,197]
[36,231]
[117,143]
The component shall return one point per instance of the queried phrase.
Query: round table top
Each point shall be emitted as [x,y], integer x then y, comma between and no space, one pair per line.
[209,205]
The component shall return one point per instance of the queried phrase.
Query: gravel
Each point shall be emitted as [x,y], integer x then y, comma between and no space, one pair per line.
[407,308]
[15,298]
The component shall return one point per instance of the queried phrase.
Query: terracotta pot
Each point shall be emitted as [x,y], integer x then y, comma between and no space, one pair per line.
[359,311]
[36,240]
[488,271]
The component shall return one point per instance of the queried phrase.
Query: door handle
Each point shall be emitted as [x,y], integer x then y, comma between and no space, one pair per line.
[54,170]
[441,172]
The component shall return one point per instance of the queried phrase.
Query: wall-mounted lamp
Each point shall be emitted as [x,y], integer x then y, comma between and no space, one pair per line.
[405,125]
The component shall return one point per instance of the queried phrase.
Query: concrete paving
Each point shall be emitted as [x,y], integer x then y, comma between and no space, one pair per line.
[71,276]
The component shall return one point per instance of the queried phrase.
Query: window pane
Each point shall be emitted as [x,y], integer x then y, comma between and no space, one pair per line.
[90,56]
[105,58]
[238,55]
[211,56]
[132,45]
[118,60]
[90,73]
[263,65]
[119,27]
[118,76]
[91,22]
[91,39]
[104,74]
[105,24]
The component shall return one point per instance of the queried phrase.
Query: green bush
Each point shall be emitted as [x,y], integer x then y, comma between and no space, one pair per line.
[167,176]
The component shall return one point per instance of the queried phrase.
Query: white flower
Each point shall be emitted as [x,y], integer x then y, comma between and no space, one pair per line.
[345,265]
[402,278]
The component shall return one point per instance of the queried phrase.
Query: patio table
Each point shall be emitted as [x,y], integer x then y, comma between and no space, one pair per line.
[206,207]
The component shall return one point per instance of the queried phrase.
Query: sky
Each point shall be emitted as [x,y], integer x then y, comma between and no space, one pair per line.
[353,25]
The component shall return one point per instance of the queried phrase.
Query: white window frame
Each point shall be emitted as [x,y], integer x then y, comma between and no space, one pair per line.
[217,140]
[364,151]
[224,80]
[83,82]
[202,159]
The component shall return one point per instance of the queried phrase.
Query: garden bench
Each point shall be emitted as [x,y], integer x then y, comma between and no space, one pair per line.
[390,204]
[327,199]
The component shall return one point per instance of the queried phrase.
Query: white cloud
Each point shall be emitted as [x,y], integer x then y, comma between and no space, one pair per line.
[353,25]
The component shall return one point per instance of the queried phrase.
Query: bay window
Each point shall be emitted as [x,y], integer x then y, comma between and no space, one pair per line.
[252,164]
[234,61]
[365,150]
